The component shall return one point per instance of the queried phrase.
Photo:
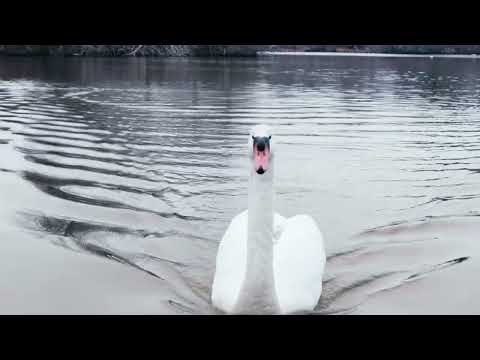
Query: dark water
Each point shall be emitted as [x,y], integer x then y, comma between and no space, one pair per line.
[142,162]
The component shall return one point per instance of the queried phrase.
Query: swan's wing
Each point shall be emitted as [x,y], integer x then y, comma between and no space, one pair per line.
[230,264]
[298,264]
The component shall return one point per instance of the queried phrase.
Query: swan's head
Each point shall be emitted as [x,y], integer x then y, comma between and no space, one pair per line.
[261,150]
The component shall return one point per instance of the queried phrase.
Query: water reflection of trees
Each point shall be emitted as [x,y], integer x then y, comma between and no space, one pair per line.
[186,82]
[147,110]
[230,84]
[451,83]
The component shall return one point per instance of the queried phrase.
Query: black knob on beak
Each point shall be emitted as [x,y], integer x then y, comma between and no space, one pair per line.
[261,145]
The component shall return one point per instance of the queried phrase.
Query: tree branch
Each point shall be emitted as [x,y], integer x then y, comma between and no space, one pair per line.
[134,51]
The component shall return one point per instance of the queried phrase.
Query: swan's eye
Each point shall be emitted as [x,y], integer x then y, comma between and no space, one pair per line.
[270,137]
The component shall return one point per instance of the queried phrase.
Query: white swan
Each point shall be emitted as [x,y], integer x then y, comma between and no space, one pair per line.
[267,264]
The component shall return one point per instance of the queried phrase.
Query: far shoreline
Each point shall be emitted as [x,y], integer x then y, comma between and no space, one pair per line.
[259,54]
[235,51]
[364,54]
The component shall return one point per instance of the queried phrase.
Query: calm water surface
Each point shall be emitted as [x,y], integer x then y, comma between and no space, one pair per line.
[143,162]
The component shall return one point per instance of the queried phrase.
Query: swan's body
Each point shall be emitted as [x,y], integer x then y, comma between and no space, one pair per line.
[267,264]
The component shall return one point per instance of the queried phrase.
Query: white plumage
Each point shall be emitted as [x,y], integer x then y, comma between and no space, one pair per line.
[277,262]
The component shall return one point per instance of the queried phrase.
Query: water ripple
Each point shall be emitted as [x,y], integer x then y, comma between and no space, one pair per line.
[160,145]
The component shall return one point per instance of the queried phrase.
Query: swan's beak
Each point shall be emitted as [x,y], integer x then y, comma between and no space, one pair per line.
[261,154]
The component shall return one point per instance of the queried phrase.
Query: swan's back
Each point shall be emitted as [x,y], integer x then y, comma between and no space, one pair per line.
[231,262]
[298,265]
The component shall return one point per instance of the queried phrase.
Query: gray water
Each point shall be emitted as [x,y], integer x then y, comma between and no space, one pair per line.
[118,178]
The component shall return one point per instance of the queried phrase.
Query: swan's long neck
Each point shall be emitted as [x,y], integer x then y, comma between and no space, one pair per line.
[258,293]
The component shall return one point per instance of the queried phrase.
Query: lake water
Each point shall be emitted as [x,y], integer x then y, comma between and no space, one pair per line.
[118,178]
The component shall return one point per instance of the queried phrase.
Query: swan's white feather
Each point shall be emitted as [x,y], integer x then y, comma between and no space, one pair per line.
[298,263]
[231,263]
